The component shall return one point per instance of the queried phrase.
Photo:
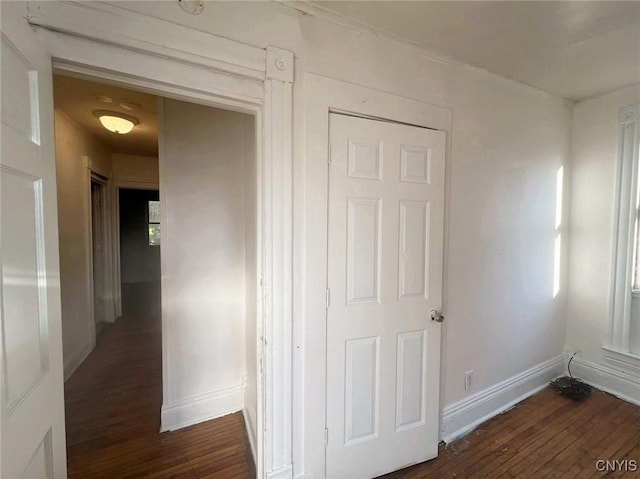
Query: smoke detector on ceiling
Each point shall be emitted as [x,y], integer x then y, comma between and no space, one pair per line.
[129,105]
[194,7]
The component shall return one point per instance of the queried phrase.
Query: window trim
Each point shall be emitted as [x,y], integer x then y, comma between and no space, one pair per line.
[624,233]
[149,222]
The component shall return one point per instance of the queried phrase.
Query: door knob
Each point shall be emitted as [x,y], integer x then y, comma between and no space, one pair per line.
[437,316]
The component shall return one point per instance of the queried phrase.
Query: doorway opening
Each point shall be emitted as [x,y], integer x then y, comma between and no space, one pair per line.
[139,231]
[168,296]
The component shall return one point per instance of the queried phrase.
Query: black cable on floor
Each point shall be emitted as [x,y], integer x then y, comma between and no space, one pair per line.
[571,387]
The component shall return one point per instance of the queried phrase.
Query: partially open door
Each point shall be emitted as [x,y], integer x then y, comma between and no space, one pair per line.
[32,411]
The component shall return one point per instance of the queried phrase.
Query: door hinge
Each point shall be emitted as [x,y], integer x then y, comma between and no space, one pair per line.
[328,297]
[329,156]
[326,436]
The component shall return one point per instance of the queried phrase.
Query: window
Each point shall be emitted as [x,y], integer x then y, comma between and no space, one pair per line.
[624,336]
[154,223]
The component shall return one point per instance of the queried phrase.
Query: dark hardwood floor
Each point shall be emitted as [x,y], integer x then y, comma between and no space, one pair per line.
[546,436]
[113,405]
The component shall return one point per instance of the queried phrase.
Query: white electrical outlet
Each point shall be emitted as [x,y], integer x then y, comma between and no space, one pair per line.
[468,379]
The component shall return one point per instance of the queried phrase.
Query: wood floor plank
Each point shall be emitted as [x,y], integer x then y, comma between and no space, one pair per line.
[512,442]
[543,437]
[551,440]
[531,435]
[113,406]
[559,465]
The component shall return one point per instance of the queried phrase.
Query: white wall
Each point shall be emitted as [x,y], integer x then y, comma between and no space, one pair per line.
[134,168]
[73,144]
[202,172]
[506,144]
[593,196]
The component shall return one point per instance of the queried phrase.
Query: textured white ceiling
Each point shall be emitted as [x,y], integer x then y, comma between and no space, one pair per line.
[574,49]
[78,99]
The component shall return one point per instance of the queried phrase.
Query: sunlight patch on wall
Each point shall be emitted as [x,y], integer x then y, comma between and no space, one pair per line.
[559,181]
[557,248]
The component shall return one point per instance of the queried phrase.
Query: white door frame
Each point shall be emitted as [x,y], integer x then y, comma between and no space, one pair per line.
[124,47]
[107,244]
[324,95]
[93,173]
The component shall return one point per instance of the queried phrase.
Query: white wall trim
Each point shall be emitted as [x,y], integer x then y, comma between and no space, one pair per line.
[277,244]
[103,177]
[624,361]
[136,185]
[624,228]
[461,417]
[202,407]
[88,246]
[283,473]
[73,361]
[622,384]
[83,57]
[250,425]
[142,183]
[126,28]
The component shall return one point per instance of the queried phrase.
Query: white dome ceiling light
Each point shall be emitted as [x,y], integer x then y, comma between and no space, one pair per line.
[116,122]
[193,7]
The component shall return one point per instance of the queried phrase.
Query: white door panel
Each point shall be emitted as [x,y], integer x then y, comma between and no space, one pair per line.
[386,193]
[32,411]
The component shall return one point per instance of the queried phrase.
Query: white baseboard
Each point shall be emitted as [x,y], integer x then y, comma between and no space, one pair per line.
[73,361]
[203,407]
[249,414]
[619,383]
[282,473]
[461,417]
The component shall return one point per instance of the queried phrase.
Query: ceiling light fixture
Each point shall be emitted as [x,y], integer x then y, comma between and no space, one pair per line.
[116,122]
[194,7]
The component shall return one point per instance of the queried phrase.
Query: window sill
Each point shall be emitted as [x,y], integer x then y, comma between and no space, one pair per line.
[622,360]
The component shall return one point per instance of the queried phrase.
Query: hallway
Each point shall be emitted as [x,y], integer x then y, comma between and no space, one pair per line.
[112,407]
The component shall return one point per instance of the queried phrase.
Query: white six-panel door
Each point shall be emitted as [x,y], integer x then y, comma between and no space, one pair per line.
[386,195]
[32,409]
